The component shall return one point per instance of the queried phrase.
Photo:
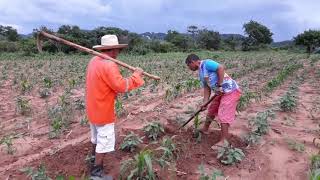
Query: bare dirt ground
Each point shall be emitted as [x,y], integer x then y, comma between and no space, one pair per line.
[271,159]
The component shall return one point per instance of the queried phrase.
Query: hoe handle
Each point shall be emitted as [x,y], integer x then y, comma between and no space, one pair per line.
[90,51]
[196,113]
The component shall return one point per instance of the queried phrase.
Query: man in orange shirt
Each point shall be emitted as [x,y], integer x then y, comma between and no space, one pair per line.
[103,83]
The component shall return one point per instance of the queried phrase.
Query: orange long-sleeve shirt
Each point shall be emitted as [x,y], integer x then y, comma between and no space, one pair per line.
[103,82]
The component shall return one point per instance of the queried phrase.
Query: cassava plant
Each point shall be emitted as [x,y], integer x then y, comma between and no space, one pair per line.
[229,155]
[130,142]
[153,130]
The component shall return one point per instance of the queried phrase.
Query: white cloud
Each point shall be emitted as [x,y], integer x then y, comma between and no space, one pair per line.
[51,11]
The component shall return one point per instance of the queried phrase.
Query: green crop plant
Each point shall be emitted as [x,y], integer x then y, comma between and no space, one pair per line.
[130,142]
[60,116]
[204,176]
[153,130]
[7,141]
[259,124]
[25,86]
[119,108]
[294,145]
[169,151]
[288,102]
[315,167]
[229,155]
[47,82]
[38,174]
[252,138]
[140,167]
[22,106]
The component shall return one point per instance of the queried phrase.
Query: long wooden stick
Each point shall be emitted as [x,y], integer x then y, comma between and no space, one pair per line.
[90,51]
[196,113]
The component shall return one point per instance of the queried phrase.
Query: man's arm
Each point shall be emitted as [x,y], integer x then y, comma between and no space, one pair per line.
[119,84]
[220,72]
[206,92]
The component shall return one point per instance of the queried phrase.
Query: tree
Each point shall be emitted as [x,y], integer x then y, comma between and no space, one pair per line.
[209,39]
[9,33]
[179,40]
[231,42]
[258,33]
[310,39]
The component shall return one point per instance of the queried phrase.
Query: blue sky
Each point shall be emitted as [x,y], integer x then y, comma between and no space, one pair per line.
[286,18]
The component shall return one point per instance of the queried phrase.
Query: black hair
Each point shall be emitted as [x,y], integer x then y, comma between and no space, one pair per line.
[191,58]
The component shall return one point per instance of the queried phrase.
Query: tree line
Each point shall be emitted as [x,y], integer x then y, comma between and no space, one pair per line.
[257,37]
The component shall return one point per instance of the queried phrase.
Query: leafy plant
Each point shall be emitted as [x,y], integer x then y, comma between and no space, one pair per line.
[23,106]
[315,167]
[84,121]
[294,145]
[60,116]
[169,149]
[259,124]
[25,85]
[130,142]
[288,102]
[7,141]
[47,82]
[204,176]
[252,138]
[140,167]
[153,130]
[229,155]
[119,108]
[38,174]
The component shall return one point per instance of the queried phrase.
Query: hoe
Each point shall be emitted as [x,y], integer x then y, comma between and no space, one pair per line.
[43,34]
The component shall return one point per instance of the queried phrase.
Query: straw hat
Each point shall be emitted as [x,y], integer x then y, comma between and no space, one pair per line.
[109,42]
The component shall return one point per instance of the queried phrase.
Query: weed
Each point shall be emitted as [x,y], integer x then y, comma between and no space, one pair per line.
[204,176]
[130,142]
[294,145]
[38,174]
[153,130]
[45,92]
[84,121]
[229,155]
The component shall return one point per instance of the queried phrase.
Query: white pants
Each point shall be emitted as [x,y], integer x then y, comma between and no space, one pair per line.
[103,137]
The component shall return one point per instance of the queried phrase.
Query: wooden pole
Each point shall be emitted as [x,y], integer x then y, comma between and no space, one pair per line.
[90,51]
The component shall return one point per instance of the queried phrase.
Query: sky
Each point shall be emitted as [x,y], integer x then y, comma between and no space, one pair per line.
[285,18]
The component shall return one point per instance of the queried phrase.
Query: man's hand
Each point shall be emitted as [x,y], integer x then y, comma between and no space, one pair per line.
[219,91]
[138,71]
